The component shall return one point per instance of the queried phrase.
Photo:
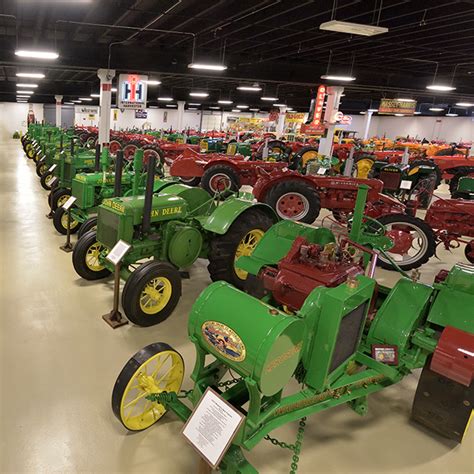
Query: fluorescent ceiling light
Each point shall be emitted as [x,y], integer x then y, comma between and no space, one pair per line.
[36,75]
[192,108]
[249,88]
[242,106]
[451,115]
[22,96]
[215,108]
[197,105]
[86,99]
[399,115]
[439,87]
[114,89]
[270,99]
[209,67]
[254,110]
[279,105]
[407,100]
[331,77]
[153,83]
[225,101]
[235,110]
[77,101]
[417,112]
[465,104]
[21,101]
[68,103]
[372,110]
[199,94]
[165,99]
[436,109]
[21,91]
[27,85]
[171,105]
[352,28]
[95,95]
[362,113]
[24,53]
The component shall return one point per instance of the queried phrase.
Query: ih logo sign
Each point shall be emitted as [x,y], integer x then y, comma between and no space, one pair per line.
[133,91]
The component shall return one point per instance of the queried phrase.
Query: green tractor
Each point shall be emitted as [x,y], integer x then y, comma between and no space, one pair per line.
[36,139]
[173,224]
[320,318]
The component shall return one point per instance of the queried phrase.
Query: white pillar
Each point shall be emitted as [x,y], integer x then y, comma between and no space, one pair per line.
[179,127]
[332,107]
[280,128]
[59,99]
[368,119]
[105,76]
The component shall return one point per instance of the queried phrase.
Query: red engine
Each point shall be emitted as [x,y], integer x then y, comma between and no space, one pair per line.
[307,266]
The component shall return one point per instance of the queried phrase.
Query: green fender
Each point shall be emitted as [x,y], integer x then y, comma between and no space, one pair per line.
[226,213]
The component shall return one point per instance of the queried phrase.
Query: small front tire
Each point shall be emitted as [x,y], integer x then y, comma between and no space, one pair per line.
[86,257]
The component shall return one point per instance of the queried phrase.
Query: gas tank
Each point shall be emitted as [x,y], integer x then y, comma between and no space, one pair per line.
[252,338]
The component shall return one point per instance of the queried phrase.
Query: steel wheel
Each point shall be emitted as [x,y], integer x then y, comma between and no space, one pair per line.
[92,259]
[129,151]
[155,369]
[292,206]
[246,247]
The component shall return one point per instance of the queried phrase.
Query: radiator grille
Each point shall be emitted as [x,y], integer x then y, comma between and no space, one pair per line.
[391,181]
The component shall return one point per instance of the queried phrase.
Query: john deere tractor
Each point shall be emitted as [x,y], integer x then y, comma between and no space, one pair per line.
[175,225]
[321,319]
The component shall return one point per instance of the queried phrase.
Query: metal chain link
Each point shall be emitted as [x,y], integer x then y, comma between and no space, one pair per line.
[296,448]
[227,383]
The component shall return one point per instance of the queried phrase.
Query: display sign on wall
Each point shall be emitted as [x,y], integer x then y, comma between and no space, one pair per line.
[141,114]
[395,106]
[132,91]
[81,109]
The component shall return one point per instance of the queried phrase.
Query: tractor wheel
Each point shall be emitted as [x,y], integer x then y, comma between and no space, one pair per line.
[154,369]
[91,141]
[114,146]
[85,257]
[294,200]
[191,181]
[58,198]
[414,241]
[240,240]
[46,179]
[459,173]
[469,251]
[220,179]
[423,191]
[275,147]
[41,168]
[129,150]
[89,224]
[300,159]
[431,164]
[151,293]
[148,151]
[362,166]
[60,222]
[30,152]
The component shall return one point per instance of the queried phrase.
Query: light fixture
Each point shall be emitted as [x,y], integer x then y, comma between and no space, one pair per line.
[362,112]
[449,114]
[399,115]
[254,88]
[22,96]
[153,82]
[242,106]
[199,94]
[215,108]
[209,67]
[165,99]
[21,91]
[270,99]
[21,101]
[114,89]
[27,85]
[254,110]
[417,112]
[152,106]
[85,99]
[95,96]
[77,101]
[372,110]
[235,110]
[225,101]
[331,77]
[196,105]
[171,105]
[352,28]
[436,109]
[279,105]
[465,104]
[68,103]
[440,87]
[24,53]
[35,75]
[192,108]
[407,100]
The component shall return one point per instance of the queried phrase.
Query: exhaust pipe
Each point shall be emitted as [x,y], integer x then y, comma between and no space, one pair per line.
[118,174]
[97,159]
[150,181]
[72,146]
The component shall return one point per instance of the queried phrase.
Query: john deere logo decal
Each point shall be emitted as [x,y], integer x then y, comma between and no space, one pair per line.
[224,339]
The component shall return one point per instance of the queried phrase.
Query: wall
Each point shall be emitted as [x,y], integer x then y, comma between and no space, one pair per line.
[13,117]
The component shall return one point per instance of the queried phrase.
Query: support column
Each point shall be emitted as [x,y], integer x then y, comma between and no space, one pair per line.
[179,127]
[280,128]
[368,119]
[59,99]
[105,76]
[332,107]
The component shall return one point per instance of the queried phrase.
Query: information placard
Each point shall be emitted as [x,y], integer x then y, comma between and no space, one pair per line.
[405,184]
[212,426]
[67,205]
[118,252]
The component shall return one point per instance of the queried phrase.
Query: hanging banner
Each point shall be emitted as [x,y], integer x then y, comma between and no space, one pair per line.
[314,125]
[132,91]
[395,106]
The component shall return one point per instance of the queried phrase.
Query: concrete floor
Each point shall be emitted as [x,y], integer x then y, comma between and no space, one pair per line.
[59,362]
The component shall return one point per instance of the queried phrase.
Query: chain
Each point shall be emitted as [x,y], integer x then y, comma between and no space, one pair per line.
[227,383]
[296,448]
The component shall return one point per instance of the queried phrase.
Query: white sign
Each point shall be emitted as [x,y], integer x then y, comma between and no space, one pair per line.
[53,182]
[212,426]
[405,184]
[52,168]
[118,252]
[80,109]
[67,205]
[322,171]
[132,91]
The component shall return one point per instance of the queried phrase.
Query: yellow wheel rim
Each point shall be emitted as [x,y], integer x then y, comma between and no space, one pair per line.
[309,155]
[62,200]
[245,248]
[162,372]
[156,295]
[74,223]
[30,152]
[92,256]
[363,168]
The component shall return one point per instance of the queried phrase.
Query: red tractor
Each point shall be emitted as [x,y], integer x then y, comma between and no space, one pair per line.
[301,197]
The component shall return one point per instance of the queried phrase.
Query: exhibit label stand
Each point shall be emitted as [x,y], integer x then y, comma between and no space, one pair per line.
[52,184]
[67,247]
[115,319]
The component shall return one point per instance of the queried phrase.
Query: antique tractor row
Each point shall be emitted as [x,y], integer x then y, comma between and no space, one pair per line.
[311,315]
